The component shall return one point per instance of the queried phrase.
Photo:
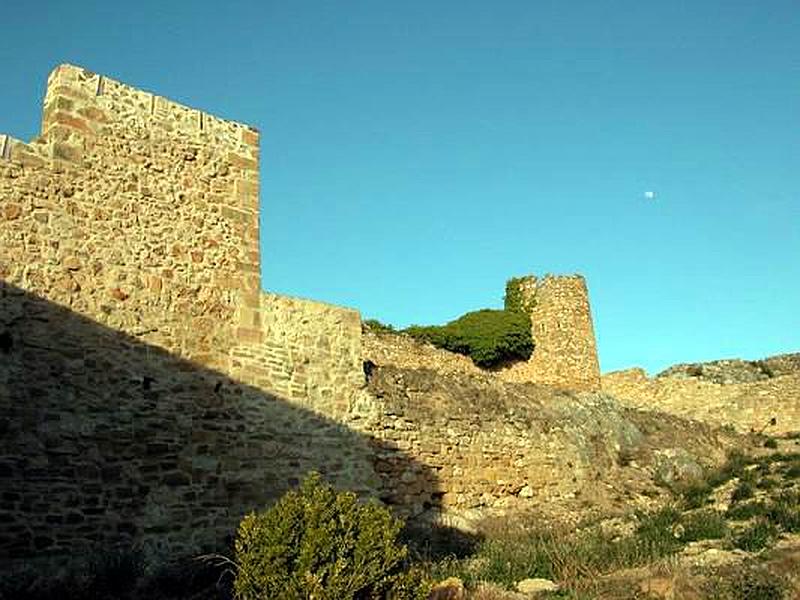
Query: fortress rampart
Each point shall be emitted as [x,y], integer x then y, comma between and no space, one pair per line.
[148,389]
[150,392]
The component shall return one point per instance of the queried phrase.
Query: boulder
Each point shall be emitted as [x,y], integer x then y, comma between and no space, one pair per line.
[533,587]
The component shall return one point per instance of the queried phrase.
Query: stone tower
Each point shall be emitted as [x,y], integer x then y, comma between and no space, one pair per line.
[150,392]
[565,353]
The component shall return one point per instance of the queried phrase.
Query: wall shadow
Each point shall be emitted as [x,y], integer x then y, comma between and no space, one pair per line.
[109,441]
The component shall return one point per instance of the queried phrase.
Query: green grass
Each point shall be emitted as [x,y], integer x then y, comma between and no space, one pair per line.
[743,491]
[515,553]
[757,536]
[704,525]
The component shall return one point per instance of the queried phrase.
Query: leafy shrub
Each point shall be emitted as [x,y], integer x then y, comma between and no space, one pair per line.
[488,337]
[317,543]
[514,300]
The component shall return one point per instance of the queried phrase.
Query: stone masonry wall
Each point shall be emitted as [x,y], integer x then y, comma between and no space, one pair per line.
[137,211]
[149,392]
[565,353]
[307,351]
[746,406]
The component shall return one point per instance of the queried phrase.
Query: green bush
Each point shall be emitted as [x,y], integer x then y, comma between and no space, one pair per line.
[488,337]
[514,300]
[317,543]
[375,326]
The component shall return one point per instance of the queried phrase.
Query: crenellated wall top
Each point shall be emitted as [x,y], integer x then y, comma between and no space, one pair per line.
[89,98]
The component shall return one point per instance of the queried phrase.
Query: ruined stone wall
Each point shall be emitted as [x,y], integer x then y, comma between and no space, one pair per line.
[493,446]
[565,353]
[149,391]
[407,353]
[746,406]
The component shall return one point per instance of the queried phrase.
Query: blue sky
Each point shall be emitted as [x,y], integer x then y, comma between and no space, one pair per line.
[417,154]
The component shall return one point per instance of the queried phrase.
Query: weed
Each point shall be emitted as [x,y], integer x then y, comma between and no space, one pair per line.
[792,471]
[746,511]
[768,483]
[696,495]
[763,468]
[785,512]
[704,525]
[743,491]
[753,583]
[760,534]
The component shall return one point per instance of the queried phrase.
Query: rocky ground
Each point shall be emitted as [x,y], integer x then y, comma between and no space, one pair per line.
[735,370]
[732,534]
[679,508]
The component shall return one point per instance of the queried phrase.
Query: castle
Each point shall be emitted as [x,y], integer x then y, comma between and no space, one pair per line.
[149,390]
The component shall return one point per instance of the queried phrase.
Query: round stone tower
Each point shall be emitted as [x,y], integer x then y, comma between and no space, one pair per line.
[565,353]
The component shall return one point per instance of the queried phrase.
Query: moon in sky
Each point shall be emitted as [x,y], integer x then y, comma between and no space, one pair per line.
[650,195]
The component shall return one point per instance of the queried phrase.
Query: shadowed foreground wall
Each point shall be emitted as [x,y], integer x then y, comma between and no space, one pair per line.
[149,391]
[107,440]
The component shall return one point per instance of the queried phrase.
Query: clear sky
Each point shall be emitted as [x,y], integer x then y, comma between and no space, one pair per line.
[416,154]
